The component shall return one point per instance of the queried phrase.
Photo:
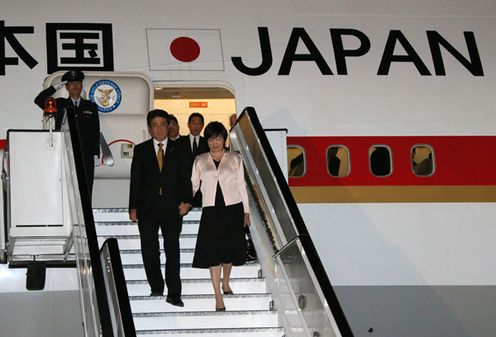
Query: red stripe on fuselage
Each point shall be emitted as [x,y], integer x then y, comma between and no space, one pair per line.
[458,160]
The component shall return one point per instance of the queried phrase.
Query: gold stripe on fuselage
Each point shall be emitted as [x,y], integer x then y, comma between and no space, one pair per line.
[363,194]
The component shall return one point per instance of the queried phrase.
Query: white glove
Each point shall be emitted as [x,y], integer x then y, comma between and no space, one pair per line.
[59,85]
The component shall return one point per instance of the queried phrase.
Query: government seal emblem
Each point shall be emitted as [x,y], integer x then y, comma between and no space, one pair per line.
[106,94]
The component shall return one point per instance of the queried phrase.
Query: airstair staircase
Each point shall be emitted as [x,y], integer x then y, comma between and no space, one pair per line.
[249,311]
[114,294]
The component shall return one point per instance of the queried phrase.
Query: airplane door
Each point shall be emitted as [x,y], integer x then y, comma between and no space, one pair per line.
[123,100]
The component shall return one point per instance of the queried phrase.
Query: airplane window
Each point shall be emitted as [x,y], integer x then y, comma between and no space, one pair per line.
[422,160]
[338,163]
[380,160]
[296,161]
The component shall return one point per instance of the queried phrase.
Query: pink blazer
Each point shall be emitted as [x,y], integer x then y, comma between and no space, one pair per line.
[230,176]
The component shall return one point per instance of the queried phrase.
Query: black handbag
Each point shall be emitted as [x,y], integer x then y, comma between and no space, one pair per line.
[251,253]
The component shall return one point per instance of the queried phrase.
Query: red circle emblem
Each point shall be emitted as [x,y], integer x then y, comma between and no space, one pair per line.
[185,49]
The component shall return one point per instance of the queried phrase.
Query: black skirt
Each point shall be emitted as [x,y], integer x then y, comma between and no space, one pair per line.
[221,236]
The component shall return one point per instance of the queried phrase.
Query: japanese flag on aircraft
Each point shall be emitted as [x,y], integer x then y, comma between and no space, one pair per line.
[184,49]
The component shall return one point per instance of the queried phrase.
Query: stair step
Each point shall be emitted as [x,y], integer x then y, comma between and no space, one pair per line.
[203,286]
[206,320]
[109,210]
[144,304]
[235,332]
[133,273]
[121,214]
[134,257]
[118,228]
[131,242]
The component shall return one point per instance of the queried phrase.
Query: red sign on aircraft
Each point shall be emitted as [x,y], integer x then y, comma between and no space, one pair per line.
[198,104]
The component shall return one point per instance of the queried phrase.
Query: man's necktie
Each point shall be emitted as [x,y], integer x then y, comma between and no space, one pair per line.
[160,156]
[76,104]
[195,146]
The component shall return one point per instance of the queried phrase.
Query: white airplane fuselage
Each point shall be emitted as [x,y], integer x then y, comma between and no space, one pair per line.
[319,68]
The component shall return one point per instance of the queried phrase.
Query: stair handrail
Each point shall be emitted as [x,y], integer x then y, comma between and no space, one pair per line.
[5,214]
[95,309]
[287,245]
[118,297]
[283,228]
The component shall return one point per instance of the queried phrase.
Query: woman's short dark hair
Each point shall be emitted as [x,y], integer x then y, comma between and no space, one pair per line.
[214,130]
[156,113]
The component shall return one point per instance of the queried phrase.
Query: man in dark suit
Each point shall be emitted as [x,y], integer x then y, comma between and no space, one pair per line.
[173,128]
[194,144]
[160,194]
[86,113]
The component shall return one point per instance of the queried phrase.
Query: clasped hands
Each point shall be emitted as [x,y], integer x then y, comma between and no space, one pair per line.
[184,208]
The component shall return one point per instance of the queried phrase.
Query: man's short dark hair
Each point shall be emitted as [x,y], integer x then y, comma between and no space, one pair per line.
[173,118]
[214,130]
[156,113]
[196,114]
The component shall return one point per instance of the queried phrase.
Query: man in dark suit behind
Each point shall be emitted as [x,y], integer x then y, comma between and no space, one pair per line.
[194,144]
[195,126]
[160,194]
[86,113]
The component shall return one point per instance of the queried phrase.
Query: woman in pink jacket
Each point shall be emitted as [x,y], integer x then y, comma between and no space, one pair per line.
[221,240]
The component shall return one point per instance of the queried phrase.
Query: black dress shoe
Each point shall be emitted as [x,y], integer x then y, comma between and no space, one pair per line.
[220,309]
[156,293]
[175,301]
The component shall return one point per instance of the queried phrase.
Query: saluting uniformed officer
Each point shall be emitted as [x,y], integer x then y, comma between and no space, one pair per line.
[86,117]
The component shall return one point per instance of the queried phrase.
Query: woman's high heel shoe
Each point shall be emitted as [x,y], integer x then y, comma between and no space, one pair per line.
[229,292]
[220,309]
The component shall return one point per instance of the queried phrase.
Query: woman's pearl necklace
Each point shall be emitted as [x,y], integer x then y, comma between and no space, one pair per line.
[217,156]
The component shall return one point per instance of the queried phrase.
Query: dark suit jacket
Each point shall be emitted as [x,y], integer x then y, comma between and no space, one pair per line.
[87,119]
[185,144]
[147,180]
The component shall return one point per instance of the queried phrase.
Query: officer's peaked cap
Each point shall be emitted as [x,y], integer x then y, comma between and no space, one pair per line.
[73,75]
